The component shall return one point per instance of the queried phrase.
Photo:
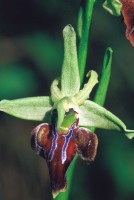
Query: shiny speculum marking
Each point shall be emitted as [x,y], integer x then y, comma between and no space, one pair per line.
[54,144]
[66,142]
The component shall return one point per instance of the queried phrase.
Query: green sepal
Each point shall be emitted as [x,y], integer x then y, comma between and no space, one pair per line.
[93,115]
[70,79]
[113,7]
[32,108]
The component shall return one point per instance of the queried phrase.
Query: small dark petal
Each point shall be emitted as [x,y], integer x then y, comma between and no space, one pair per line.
[87,142]
[40,137]
[39,150]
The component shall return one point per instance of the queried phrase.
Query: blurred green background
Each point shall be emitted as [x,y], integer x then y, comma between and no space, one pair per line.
[31,55]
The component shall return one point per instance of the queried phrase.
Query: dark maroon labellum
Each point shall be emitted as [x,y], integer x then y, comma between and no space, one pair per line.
[59,150]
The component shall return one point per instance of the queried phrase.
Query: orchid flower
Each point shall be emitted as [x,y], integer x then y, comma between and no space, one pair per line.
[69,116]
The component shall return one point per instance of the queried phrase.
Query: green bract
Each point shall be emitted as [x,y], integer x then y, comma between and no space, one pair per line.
[113,7]
[66,95]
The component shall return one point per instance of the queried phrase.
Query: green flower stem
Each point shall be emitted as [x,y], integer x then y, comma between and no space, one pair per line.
[84,24]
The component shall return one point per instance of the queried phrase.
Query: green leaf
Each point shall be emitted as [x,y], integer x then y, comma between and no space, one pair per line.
[113,7]
[105,78]
[101,92]
[32,108]
[93,115]
[70,80]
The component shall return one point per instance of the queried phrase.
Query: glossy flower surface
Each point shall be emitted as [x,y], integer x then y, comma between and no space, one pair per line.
[60,148]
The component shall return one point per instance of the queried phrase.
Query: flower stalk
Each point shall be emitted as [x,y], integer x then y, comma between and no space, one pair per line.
[83,29]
